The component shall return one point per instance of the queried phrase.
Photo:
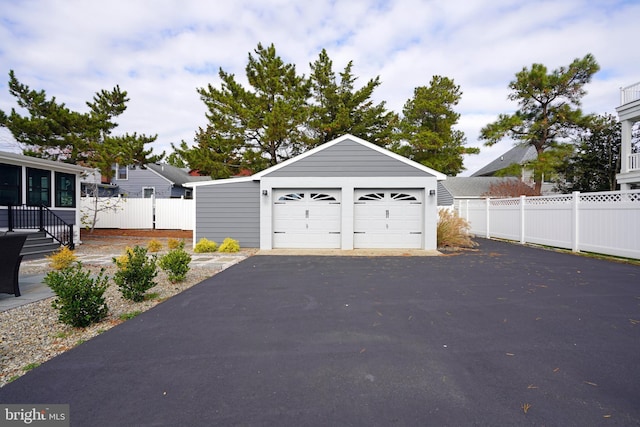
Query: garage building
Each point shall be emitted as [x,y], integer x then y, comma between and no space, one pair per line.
[345,194]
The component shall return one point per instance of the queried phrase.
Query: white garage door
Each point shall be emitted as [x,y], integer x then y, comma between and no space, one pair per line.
[305,218]
[388,219]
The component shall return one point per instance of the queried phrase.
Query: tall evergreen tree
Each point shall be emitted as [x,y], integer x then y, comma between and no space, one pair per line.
[548,108]
[265,124]
[338,108]
[596,160]
[427,133]
[52,131]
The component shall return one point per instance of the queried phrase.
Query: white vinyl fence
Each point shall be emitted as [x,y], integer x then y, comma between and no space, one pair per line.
[605,223]
[163,214]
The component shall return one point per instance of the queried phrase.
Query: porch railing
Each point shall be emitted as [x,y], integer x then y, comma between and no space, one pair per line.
[634,162]
[630,93]
[25,217]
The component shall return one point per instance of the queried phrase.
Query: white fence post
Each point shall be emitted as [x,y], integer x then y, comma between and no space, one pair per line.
[575,218]
[522,219]
[487,205]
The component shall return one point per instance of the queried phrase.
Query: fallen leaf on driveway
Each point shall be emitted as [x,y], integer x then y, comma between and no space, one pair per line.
[590,383]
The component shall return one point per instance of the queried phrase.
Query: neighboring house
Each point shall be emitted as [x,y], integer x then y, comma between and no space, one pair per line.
[629,114]
[454,190]
[160,180]
[519,155]
[345,194]
[29,182]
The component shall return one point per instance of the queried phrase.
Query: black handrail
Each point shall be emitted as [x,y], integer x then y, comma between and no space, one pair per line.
[43,219]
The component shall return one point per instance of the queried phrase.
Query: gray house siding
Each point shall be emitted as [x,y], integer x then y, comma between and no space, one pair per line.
[138,179]
[445,198]
[347,159]
[229,210]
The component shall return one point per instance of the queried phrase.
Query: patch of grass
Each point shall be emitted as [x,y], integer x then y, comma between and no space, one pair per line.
[62,334]
[152,296]
[131,315]
[80,341]
[30,366]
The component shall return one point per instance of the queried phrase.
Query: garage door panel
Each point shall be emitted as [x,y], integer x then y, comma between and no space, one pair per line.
[304,218]
[388,219]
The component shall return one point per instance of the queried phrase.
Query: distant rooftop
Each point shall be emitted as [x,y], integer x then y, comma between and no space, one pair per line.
[520,154]
[176,175]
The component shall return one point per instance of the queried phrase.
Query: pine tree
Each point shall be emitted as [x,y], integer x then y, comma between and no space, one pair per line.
[427,133]
[338,108]
[548,109]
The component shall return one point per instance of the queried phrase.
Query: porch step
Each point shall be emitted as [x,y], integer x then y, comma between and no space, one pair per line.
[38,245]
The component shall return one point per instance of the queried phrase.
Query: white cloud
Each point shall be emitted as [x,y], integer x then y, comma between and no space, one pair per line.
[162,51]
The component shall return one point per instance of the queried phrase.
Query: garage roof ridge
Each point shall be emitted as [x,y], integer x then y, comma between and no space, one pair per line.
[258,176]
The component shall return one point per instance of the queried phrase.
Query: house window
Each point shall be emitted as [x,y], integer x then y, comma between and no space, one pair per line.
[10,185]
[38,187]
[65,190]
[188,194]
[148,192]
[122,172]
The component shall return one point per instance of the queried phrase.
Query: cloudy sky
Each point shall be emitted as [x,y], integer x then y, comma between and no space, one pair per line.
[161,51]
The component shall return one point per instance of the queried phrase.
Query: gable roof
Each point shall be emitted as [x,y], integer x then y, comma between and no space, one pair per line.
[326,146]
[21,159]
[520,154]
[175,175]
[358,141]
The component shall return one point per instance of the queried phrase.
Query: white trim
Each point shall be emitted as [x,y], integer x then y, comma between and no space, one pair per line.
[220,181]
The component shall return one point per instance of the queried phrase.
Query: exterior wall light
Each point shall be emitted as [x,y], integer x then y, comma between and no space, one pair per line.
[265,192]
[432,192]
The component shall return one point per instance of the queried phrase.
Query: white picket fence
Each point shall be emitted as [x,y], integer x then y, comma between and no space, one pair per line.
[604,223]
[162,214]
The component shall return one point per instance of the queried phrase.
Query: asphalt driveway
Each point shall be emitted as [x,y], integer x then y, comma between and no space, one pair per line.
[465,339]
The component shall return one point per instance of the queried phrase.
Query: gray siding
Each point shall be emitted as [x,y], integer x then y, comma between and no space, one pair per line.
[444,197]
[348,159]
[229,210]
[141,178]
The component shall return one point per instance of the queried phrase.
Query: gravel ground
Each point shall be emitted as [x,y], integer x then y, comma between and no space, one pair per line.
[31,334]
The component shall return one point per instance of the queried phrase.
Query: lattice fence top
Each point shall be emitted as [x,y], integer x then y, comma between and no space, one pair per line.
[563,199]
[505,202]
[605,197]
[611,197]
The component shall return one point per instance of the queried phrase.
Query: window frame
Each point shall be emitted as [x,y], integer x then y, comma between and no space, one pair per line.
[9,187]
[59,192]
[33,189]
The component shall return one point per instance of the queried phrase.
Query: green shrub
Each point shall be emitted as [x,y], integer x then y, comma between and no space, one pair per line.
[453,231]
[176,264]
[229,245]
[62,258]
[79,298]
[154,245]
[205,245]
[135,273]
